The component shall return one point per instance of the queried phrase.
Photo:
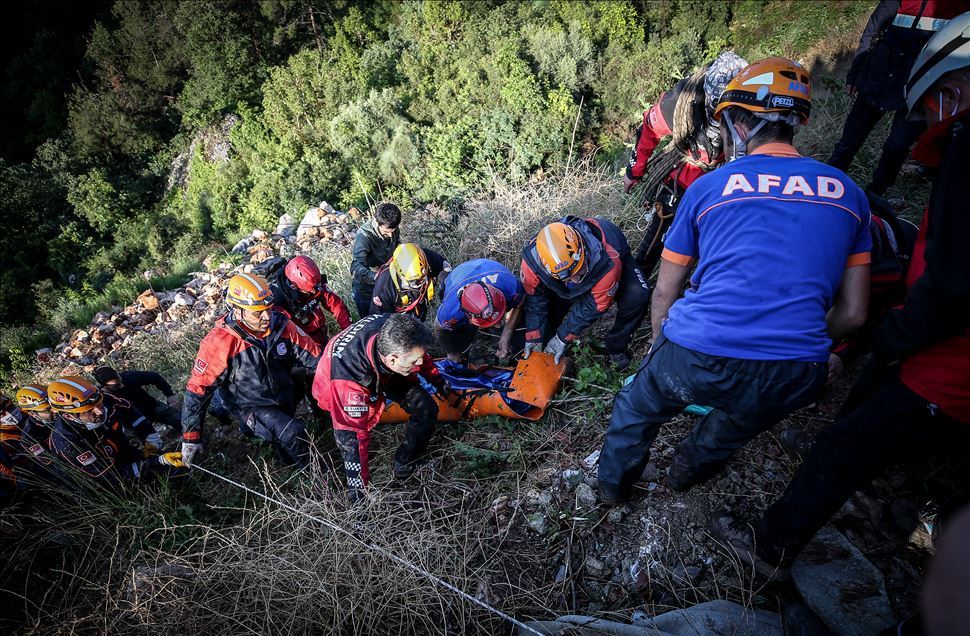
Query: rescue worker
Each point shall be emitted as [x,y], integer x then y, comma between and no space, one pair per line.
[251,352]
[685,112]
[374,245]
[478,294]
[36,427]
[405,284]
[573,271]
[130,386]
[893,37]
[781,247]
[920,405]
[378,358]
[302,294]
[89,434]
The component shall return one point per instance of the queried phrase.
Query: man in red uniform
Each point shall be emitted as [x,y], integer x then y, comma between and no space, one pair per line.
[921,350]
[251,352]
[378,358]
[302,294]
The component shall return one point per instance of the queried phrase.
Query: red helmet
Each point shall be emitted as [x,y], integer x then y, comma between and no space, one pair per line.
[304,274]
[482,303]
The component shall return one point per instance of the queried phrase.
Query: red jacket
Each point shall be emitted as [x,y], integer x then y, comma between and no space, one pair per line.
[657,124]
[349,379]
[309,315]
[350,375]
[255,370]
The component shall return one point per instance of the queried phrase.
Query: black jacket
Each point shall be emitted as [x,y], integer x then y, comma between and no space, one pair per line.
[371,250]
[132,390]
[255,370]
[105,452]
[387,300]
[887,52]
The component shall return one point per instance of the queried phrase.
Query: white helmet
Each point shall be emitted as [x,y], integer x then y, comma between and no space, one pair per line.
[948,50]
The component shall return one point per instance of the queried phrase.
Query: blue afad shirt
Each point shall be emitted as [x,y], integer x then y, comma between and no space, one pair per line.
[450,316]
[772,236]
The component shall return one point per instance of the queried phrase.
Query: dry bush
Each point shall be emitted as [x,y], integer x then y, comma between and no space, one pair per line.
[276,571]
[497,225]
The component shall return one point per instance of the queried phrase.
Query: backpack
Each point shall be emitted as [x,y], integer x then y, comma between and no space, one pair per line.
[271,269]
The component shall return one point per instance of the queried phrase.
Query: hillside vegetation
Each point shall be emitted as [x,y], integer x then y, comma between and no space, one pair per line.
[185,124]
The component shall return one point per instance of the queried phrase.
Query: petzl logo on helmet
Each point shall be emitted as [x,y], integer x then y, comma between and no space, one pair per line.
[781,100]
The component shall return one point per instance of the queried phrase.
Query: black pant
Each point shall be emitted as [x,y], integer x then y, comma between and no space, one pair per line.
[287,434]
[858,125]
[362,297]
[354,445]
[748,397]
[894,424]
[632,304]
[164,414]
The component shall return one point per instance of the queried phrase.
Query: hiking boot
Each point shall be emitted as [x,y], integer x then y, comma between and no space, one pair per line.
[403,470]
[738,536]
[680,477]
[610,497]
[620,361]
[795,441]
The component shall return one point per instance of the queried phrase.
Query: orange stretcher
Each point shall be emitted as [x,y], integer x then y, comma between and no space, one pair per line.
[534,381]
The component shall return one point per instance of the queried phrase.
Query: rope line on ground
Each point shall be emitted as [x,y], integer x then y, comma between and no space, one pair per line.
[376,548]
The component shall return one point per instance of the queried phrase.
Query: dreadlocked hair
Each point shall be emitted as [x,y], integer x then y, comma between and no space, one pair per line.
[690,114]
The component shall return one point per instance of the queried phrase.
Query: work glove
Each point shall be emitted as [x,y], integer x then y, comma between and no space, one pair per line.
[189,450]
[535,345]
[172,459]
[557,348]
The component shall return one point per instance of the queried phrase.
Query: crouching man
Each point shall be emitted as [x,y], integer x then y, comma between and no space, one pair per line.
[375,359]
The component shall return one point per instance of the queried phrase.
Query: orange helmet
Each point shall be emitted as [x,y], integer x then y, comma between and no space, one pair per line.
[249,291]
[772,85]
[561,250]
[73,394]
[32,397]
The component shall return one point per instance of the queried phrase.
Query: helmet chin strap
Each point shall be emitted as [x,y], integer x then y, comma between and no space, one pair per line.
[739,147]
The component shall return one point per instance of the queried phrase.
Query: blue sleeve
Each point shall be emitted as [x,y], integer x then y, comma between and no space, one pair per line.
[450,315]
[862,241]
[513,290]
[683,237]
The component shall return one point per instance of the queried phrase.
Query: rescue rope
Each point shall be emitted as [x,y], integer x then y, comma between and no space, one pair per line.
[376,548]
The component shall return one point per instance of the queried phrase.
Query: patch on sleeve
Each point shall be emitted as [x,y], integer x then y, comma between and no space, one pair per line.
[86,458]
[36,449]
[355,404]
[281,347]
[200,366]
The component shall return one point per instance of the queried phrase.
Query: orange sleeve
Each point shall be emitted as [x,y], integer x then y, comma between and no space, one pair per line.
[855,260]
[677,259]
